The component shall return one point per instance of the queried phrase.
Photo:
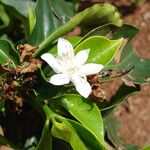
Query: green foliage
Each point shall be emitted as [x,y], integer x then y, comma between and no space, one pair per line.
[122,94]
[102,50]
[49,16]
[141,68]
[32,19]
[112,129]
[3,18]
[60,113]
[8,54]
[46,140]
[65,132]
[100,13]
[87,113]
[146,148]
[18,7]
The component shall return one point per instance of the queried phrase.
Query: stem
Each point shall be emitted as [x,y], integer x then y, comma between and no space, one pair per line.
[48,112]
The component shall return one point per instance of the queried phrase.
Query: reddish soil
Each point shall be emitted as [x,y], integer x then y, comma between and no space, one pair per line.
[135,122]
[133,114]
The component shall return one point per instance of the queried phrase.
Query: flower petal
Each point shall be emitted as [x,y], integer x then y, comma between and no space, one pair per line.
[65,48]
[52,61]
[60,79]
[81,57]
[81,85]
[89,69]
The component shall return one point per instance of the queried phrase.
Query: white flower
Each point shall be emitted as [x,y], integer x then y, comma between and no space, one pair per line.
[71,68]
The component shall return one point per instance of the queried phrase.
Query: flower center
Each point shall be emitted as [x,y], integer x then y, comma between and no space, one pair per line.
[67,65]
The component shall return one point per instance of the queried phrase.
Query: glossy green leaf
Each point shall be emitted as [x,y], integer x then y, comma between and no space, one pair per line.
[8,53]
[84,135]
[99,14]
[18,7]
[90,141]
[32,19]
[45,142]
[49,16]
[4,19]
[62,131]
[102,50]
[141,67]
[122,94]
[85,112]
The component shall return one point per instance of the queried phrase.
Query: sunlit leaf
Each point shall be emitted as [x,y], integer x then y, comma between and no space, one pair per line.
[62,131]
[3,18]
[102,50]
[87,113]
[32,19]
[98,14]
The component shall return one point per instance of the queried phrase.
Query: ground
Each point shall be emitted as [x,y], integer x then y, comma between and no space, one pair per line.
[134,114]
[135,120]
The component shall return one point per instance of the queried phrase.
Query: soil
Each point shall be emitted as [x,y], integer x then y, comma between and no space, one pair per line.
[133,115]
[135,120]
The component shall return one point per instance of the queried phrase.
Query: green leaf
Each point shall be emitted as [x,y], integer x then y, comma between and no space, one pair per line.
[60,131]
[47,90]
[125,31]
[2,106]
[146,148]
[18,7]
[102,50]
[3,18]
[122,94]
[141,70]
[132,147]
[112,127]
[86,136]
[112,31]
[32,19]
[100,14]
[49,16]
[8,53]
[63,131]
[45,142]
[87,113]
